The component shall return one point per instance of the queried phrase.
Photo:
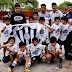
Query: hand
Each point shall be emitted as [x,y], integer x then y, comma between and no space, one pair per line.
[10,45]
[53,29]
[5,27]
[41,29]
[27,52]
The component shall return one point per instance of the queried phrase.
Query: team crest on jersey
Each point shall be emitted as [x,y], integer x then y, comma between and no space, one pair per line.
[65,31]
[18,18]
[27,36]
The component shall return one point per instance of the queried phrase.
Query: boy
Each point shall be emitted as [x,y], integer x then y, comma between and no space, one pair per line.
[43,31]
[57,26]
[17,17]
[31,19]
[55,51]
[12,49]
[6,30]
[55,13]
[44,13]
[22,56]
[37,52]
[65,30]
[35,16]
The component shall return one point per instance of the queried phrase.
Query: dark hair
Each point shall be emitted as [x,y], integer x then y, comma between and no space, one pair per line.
[43,5]
[6,18]
[57,18]
[17,5]
[64,18]
[11,38]
[35,13]
[34,39]
[69,4]
[54,4]
[31,17]
[21,44]
[41,18]
[53,39]
[6,13]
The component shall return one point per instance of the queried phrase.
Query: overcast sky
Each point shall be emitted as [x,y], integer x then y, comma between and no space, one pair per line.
[49,2]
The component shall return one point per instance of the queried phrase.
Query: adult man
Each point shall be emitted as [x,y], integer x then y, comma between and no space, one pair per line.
[55,13]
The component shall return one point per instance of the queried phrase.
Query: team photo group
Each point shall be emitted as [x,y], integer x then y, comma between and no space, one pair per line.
[37,40]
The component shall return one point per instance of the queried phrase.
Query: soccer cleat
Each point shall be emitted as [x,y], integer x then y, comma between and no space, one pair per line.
[60,65]
[27,70]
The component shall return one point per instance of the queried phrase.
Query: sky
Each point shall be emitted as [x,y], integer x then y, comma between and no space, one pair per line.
[49,2]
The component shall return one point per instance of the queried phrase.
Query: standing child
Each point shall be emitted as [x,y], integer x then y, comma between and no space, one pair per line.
[31,19]
[65,30]
[35,16]
[12,49]
[43,31]
[57,26]
[6,30]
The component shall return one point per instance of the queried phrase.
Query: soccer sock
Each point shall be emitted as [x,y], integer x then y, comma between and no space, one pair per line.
[29,64]
[60,58]
[14,63]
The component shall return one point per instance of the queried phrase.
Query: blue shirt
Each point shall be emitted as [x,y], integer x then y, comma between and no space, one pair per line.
[69,15]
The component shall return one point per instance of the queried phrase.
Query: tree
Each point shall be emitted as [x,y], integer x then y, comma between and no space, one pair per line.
[29,5]
[64,5]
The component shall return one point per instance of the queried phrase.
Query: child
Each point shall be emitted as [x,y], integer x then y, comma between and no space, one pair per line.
[6,30]
[65,30]
[12,49]
[43,31]
[55,51]
[22,56]
[36,52]
[35,16]
[17,17]
[57,26]
[31,19]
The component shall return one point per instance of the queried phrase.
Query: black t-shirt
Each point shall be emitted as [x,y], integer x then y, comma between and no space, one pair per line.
[18,18]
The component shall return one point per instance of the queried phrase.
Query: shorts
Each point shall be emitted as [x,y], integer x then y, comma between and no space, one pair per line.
[7,58]
[22,61]
[36,59]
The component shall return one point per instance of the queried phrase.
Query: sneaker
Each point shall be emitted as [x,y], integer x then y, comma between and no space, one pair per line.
[60,65]
[10,70]
[27,70]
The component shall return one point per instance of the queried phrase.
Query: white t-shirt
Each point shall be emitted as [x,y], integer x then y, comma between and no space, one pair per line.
[70,29]
[46,15]
[65,32]
[22,56]
[58,13]
[43,35]
[6,32]
[13,48]
[57,28]
[35,50]
[51,48]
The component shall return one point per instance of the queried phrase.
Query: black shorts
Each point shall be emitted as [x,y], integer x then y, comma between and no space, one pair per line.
[22,61]
[36,58]
[7,58]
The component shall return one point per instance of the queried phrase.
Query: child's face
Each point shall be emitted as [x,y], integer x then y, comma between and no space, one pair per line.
[17,9]
[35,16]
[63,21]
[7,22]
[22,48]
[31,20]
[57,21]
[12,41]
[35,42]
[43,8]
[70,8]
[53,44]
[42,22]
